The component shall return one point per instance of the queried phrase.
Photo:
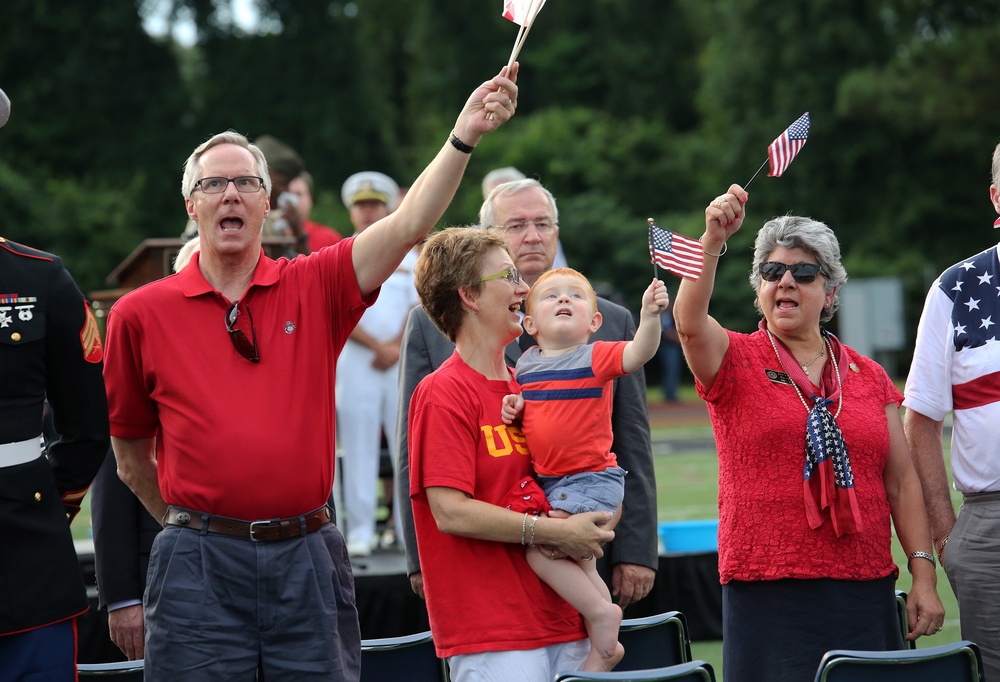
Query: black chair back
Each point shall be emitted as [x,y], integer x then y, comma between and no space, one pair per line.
[954,662]
[692,671]
[654,641]
[410,657]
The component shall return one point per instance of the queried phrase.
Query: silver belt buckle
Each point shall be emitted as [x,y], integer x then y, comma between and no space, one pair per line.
[254,524]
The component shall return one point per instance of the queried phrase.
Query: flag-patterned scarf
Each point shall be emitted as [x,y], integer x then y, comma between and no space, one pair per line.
[828,482]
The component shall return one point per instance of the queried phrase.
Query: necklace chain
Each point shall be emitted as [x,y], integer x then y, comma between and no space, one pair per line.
[806,365]
[798,391]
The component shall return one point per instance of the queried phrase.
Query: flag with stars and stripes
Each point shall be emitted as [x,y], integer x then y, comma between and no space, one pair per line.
[787,145]
[956,366]
[973,285]
[679,254]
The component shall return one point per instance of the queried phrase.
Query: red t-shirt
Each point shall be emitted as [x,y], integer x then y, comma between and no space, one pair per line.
[481,595]
[574,388]
[236,438]
[760,431]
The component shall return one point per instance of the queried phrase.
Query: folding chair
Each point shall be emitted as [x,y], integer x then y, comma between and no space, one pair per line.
[410,657]
[692,671]
[954,662]
[654,641]
[123,671]
[904,621]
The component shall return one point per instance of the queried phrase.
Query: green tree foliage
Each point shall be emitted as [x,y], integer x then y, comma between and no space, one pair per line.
[89,153]
[627,110]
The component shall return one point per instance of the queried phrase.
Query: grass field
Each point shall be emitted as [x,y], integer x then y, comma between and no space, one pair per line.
[687,488]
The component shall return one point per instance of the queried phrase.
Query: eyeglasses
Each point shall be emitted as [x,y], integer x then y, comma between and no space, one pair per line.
[217,185]
[803,273]
[510,274]
[241,343]
[520,227]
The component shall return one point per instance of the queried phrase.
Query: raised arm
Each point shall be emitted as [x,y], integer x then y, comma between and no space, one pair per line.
[703,339]
[642,348]
[381,248]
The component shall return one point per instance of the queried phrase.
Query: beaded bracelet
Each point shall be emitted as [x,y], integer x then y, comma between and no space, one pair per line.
[524,524]
[534,520]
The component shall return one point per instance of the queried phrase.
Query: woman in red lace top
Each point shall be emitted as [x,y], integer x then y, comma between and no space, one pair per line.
[813,462]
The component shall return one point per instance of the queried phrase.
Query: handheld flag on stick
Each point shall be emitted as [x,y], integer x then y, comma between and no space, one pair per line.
[787,145]
[679,254]
[784,148]
[522,13]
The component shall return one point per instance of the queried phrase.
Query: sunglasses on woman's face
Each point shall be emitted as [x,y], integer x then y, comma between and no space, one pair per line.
[803,273]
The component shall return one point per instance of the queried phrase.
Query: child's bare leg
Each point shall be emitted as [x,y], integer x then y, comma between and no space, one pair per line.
[589,566]
[597,663]
[571,582]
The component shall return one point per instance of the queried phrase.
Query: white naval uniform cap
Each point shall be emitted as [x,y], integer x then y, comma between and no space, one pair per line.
[370,186]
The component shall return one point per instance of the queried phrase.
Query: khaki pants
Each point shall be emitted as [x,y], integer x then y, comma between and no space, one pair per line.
[972,562]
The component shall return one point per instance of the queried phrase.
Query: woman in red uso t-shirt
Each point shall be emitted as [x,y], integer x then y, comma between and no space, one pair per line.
[489,612]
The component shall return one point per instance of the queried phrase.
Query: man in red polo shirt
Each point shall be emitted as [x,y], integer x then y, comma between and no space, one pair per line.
[221,392]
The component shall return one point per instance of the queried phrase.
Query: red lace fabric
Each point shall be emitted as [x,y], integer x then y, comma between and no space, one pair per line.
[759,426]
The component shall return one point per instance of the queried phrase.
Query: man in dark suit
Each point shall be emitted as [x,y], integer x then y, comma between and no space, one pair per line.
[525,213]
[123,537]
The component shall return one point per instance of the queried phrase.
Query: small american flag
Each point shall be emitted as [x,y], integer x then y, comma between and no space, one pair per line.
[787,145]
[679,254]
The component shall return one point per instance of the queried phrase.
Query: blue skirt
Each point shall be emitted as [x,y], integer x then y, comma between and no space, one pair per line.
[778,631]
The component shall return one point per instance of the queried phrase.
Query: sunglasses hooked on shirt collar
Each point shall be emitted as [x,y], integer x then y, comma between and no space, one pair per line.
[243,345]
[803,273]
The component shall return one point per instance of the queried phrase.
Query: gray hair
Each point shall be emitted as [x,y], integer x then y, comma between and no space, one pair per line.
[996,167]
[487,213]
[498,176]
[812,236]
[192,166]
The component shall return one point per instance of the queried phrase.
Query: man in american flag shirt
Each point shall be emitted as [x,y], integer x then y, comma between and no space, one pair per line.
[956,368]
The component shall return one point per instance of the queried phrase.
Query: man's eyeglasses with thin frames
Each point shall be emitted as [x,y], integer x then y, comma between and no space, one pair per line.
[241,343]
[520,227]
[217,185]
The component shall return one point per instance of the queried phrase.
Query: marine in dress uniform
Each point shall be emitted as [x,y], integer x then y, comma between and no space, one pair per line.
[50,348]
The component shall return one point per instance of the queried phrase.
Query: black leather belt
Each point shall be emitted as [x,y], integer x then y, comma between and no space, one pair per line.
[258,531]
[981,498]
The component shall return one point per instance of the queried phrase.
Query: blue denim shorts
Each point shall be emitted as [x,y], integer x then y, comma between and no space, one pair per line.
[587,491]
